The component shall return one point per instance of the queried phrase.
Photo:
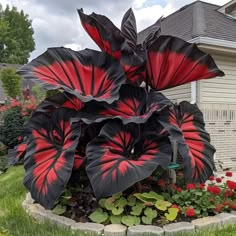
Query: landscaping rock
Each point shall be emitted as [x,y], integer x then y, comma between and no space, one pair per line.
[233,212]
[207,222]
[145,230]
[226,218]
[90,229]
[115,230]
[180,227]
[29,199]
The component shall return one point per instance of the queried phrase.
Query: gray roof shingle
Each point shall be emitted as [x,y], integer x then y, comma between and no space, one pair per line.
[194,20]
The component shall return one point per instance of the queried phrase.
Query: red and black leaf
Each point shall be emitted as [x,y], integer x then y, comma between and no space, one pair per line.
[118,158]
[58,100]
[50,154]
[129,29]
[154,33]
[104,33]
[172,61]
[87,74]
[16,154]
[79,159]
[134,68]
[186,126]
[134,105]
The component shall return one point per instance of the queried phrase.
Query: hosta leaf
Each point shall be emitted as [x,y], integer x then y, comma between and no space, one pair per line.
[131,200]
[172,214]
[109,203]
[130,220]
[150,213]
[162,205]
[117,210]
[115,219]
[59,209]
[101,202]
[150,197]
[146,220]
[137,209]
[121,202]
[98,216]
[117,196]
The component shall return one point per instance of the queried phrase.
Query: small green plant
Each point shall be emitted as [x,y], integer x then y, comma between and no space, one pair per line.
[11,82]
[135,209]
[12,127]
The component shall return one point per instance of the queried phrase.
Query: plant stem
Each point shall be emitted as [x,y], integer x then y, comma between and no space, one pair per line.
[139,187]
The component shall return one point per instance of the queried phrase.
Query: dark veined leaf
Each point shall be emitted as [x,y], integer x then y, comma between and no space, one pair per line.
[129,29]
[172,61]
[50,153]
[58,100]
[186,126]
[87,74]
[79,159]
[117,158]
[154,33]
[104,33]
[134,68]
[16,154]
[134,105]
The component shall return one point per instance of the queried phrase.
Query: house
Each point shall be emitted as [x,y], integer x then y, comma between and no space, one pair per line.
[213,28]
[25,84]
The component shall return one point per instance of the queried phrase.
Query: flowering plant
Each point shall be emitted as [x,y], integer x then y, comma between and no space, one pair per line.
[218,195]
[104,122]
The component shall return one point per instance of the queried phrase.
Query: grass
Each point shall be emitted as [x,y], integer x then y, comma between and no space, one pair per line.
[15,222]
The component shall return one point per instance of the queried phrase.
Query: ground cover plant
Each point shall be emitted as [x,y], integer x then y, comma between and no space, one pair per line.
[109,128]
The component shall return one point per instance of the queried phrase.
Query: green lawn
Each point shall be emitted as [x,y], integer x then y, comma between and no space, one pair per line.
[15,222]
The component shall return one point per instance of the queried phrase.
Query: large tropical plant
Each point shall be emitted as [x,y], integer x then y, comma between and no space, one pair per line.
[104,121]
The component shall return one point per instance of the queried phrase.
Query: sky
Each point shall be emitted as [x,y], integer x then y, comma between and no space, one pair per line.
[56,22]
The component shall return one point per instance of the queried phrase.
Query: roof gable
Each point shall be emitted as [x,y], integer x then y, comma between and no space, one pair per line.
[195,20]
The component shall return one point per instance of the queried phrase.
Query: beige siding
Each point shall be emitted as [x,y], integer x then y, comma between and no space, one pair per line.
[223,89]
[179,93]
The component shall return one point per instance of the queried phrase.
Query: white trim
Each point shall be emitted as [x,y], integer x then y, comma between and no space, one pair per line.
[213,42]
[193,92]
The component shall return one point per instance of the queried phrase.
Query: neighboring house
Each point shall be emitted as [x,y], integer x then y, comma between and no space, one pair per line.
[213,28]
[25,84]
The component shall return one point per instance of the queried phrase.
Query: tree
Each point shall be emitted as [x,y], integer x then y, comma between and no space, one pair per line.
[11,82]
[16,36]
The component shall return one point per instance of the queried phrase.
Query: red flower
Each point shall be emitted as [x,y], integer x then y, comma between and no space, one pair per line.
[231,184]
[226,203]
[213,189]
[229,174]
[233,206]
[19,138]
[211,199]
[176,206]
[161,183]
[218,180]
[190,212]
[211,178]
[228,193]
[190,186]
[202,186]
[218,207]
[179,190]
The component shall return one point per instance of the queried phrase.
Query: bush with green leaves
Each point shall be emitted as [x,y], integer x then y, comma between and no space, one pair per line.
[11,127]
[11,82]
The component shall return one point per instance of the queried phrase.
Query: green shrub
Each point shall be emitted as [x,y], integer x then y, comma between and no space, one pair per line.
[12,127]
[11,82]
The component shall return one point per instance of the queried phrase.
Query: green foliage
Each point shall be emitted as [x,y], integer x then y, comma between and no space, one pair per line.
[16,36]
[12,127]
[59,209]
[38,93]
[132,209]
[11,82]
[98,216]
[3,163]
[50,93]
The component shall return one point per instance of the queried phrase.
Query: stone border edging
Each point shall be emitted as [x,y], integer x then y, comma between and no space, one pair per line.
[93,229]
